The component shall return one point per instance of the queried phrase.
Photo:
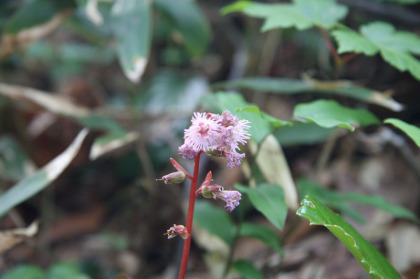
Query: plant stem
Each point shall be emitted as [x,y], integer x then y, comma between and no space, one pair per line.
[191,203]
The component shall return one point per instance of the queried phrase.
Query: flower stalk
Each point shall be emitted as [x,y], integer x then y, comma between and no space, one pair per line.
[190,215]
[216,135]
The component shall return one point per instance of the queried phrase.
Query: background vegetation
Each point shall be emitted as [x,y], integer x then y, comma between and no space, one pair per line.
[94,98]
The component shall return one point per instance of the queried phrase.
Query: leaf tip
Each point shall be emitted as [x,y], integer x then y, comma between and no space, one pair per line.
[135,74]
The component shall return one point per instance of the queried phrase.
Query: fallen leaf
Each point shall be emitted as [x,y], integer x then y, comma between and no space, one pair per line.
[275,169]
[50,102]
[13,42]
[10,238]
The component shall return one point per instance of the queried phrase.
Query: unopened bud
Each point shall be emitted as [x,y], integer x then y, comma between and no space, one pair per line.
[174,177]
[177,230]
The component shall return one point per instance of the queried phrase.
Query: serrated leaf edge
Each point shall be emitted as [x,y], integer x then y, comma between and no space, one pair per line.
[348,236]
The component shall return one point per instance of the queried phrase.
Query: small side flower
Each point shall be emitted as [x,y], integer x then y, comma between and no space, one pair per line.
[231,198]
[214,191]
[177,230]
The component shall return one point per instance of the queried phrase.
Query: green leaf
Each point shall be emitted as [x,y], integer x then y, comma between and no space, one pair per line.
[187,18]
[266,84]
[131,22]
[260,127]
[171,91]
[33,184]
[214,220]
[301,14]
[269,200]
[412,131]
[26,18]
[223,100]
[308,85]
[14,163]
[262,233]
[271,161]
[24,272]
[351,41]
[386,36]
[301,133]
[330,114]
[341,201]
[235,7]
[115,137]
[261,123]
[247,270]
[370,258]
[402,61]
[395,47]
[66,270]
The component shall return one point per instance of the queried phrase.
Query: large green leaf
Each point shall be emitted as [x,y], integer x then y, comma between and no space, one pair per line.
[341,201]
[33,184]
[224,100]
[14,162]
[131,22]
[24,272]
[214,220]
[261,123]
[269,200]
[412,131]
[301,133]
[26,18]
[186,18]
[330,114]
[351,41]
[247,270]
[266,235]
[307,85]
[301,14]
[260,127]
[371,259]
[395,47]
[66,270]
[171,91]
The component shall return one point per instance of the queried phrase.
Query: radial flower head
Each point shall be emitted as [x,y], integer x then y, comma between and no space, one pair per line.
[217,135]
[203,134]
[177,230]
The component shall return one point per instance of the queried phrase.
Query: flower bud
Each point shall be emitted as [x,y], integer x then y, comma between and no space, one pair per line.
[177,230]
[174,177]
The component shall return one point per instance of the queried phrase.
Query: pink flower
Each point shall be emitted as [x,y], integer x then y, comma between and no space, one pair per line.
[234,158]
[231,198]
[214,191]
[235,130]
[203,134]
[177,230]
[217,135]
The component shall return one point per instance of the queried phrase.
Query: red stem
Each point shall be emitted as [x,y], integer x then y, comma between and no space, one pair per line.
[330,45]
[191,203]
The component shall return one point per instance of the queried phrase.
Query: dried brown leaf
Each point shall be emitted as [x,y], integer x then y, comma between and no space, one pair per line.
[10,238]
[13,42]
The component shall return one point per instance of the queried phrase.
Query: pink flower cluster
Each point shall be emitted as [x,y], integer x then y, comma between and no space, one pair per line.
[215,134]
[214,191]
